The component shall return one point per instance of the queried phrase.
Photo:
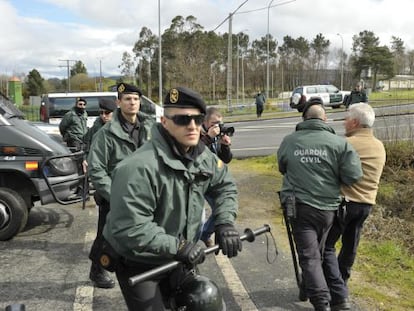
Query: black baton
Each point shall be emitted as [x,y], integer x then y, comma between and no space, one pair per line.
[249,235]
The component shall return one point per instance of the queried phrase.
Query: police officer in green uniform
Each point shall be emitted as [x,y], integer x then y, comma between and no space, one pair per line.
[73,126]
[358,95]
[106,109]
[314,162]
[157,200]
[117,139]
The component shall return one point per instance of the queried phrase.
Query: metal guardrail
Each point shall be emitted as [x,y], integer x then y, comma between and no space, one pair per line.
[77,157]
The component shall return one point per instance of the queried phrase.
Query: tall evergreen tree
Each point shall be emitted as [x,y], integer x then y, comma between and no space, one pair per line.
[34,84]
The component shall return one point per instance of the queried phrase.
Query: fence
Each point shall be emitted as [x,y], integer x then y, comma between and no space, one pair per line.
[31,112]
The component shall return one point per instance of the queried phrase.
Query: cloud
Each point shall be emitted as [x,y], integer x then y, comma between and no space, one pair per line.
[40,33]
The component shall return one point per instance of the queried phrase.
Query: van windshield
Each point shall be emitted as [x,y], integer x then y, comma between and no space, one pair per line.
[60,105]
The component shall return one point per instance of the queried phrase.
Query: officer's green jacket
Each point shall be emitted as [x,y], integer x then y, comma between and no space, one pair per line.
[155,198]
[87,139]
[110,145]
[315,162]
[73,127]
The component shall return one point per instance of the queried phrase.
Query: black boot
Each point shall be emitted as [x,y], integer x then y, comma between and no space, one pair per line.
[302,292]
[100,277]
[322,307]
[342,305]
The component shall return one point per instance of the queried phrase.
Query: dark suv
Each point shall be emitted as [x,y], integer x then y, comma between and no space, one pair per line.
[33,167]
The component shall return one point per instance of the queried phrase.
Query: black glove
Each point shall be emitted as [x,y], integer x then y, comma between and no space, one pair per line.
[191,253]
[228,240]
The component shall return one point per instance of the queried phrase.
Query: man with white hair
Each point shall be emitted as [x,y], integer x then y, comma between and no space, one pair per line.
[358,201]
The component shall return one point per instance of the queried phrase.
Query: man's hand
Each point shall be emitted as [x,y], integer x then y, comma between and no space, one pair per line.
[228,239]
[225,140]
[190,253]
[214,130]
[84,166]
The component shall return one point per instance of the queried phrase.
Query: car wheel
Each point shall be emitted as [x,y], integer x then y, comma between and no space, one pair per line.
[13,213]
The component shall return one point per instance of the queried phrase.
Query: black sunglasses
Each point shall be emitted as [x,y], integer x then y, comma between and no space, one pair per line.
[185,119]
[105,112]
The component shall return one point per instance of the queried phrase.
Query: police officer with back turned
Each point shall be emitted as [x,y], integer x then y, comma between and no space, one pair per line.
[314,162]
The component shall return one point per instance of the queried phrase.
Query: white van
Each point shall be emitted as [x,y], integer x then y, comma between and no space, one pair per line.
[54,105]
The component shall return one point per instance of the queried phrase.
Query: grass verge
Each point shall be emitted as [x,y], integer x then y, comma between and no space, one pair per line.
[383,274]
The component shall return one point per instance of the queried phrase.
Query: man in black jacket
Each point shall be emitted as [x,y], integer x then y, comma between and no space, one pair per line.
[357,95]
[219,143]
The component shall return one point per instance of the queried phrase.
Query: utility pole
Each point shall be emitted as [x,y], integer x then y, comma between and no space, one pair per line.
[68,70]
[267,54]
[100,75]
[230,56]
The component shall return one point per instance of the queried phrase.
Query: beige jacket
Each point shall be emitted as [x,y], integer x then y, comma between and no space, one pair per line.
[372,154]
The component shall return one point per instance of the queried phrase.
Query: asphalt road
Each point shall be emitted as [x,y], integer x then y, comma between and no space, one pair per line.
[46,267]
[263,137]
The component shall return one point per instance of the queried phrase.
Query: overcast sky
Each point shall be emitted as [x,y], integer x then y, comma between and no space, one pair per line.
[38,34]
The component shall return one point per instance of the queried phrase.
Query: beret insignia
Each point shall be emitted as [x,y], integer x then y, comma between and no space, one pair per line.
[121,88]
[174,96]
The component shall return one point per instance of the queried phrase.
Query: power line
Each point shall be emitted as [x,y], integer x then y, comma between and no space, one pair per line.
[265,8]
[68,71]
[254,10]
[231,14]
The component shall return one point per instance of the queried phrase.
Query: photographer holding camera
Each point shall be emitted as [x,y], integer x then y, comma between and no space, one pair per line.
[216,137]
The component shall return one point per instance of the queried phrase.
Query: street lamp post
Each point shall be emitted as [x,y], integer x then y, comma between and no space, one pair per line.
[267,56]
[342,61]
[237,71]
[159,55]
[242,72]
[229,65]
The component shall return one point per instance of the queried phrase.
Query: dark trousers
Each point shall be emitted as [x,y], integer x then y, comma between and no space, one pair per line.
[145,296]
[337,287]
[96,248]
[259,110]
[310,229]
[151,295]
[350,227]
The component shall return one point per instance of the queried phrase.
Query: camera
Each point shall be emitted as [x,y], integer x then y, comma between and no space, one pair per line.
[229,131]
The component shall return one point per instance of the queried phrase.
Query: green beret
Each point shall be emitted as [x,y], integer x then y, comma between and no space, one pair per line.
[182,97]
[107,104]
[125,88]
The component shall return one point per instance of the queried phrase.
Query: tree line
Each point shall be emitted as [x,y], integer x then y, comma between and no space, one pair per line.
[198,58]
